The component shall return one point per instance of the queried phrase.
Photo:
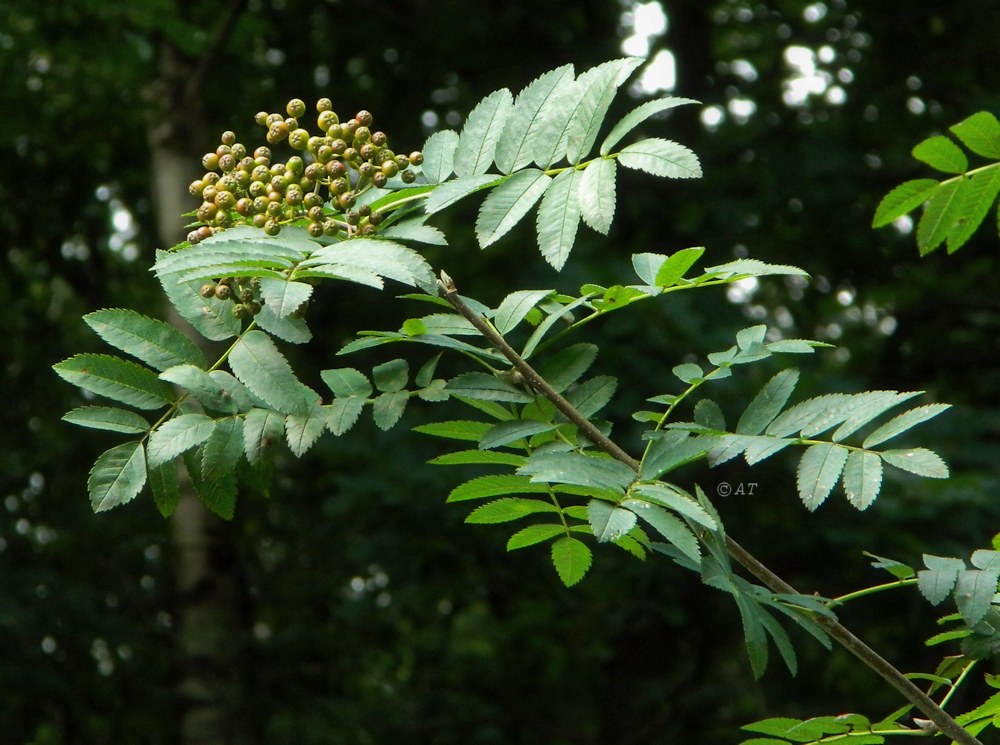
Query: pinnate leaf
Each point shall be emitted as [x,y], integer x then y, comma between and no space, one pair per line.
[904,198]
[980,133]
[516,306]
[768,403]
[388,408]
[149,340]
[572,559]
[439,156]
[559,218]
[903,422]
[661,158]
[495,486]
[818,472]
[452,191]
[921,461]
[598,87]
[975,195]
[507,509]
[344,413]
[262,428]
[302,430]
[117,379]
[609,522]
[117,476]
[109,418]
[598,194]
[257,363]
[284,297]
[346,381]
[508,203]
[515,148]
[675,267]
[577,468]
[481,132]
[176,436]
[223,449]
[862,478]
[939,218]
[669,527]
[941,154]
[637,116]
[287,328]
[534,534]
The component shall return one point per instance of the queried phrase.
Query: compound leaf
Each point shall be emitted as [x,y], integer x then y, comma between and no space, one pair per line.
[262,428]
[577,468]
[495,486]
[508,509]
[117,476]
[117,379]
[559,217]
[452,191]
[439,156]
[344,413]
[534,534]
[974,197]
[598,87]
[481,132]
[109,418]
[516,146]
[661,157]
[905,421]
[862,478]
[223,449]
[176,436]
[257,363]
[302,430]
[939,218]
[980,133]
[516,306]
[284,297]
[598,194]
[609,522]
[768,403]
[572,559]
[941,154]
[818,472]
[388,408]
[149,340]
[507,204]
[904,198]
[921,461]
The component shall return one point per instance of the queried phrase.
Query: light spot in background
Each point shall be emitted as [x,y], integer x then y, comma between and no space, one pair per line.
[642,24]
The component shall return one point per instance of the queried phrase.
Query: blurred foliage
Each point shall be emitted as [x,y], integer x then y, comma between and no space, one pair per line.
[362,622]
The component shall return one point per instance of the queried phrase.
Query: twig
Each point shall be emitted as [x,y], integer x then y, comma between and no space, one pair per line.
[945,723]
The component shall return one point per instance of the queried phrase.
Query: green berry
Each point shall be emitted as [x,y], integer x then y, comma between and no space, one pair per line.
[210,161]
[222,292]
[327,119]
[324,104]
[298,139]
[314,229]
[416,158]
[272,227]
[296,107]
[208,289]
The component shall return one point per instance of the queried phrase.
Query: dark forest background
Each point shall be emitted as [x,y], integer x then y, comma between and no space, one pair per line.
[353,606]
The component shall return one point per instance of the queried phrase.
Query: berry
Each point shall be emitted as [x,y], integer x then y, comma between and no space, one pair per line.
[326,119]
[207,290]
[364,118]
[416,158]
[222,292]
[324,104]
[296,107]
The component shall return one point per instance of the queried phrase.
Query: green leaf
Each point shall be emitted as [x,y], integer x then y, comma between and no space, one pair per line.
[862,478]
[941,154]
[414,230]
[507,204]
[383,257]
[768,403]
[504,433]
[671,450]
[559,217]
[675,267]
[598,194]
[688,372]
[479,457]
[577,468]
[165,485]
[258,364]
[669,527]
[292,330]
[572,559]
[177,435]
[516,306]
[117,476]
[904,198]
[455,430]
[262,429]
[598,87]
[481,132]
[219,494]
[117,379]
[975,195]
[154,342]
[223,449]
[451,192]
[108,418]
[905,421]
[486,387]
[637,116]
[302,430]
[388,408]
[343,413]
[921,461]
[516,146]
[592,395]
[495,486]
[937,581]
[980,133]
[534,534]
[390,376]
[866,406]
[208,391]
[818,472]
[939,218]
[211,318]
[609,522]
[439,156]
[742,268]
[346,381]
[566,366]
[554,121]
[508,509]
[669,497]
[974,593]
[754,635]
[284,297]
[661,157]
[647,265]
[778,726]
[896,568]
[709,414]
[813,415]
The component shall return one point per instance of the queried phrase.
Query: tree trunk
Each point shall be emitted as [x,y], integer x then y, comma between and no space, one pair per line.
[207,614]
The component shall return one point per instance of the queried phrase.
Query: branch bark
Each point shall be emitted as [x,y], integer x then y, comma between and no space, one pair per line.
[872,659]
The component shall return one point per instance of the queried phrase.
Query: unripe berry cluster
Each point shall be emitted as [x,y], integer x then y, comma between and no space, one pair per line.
[320,187]
[245,294]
